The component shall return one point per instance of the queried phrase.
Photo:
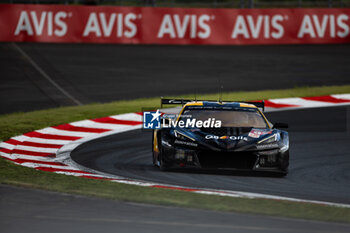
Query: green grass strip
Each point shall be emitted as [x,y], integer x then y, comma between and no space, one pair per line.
[19,123]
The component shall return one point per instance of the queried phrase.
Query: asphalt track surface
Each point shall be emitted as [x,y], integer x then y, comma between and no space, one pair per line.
[42,211]
[103,73]
[319,159]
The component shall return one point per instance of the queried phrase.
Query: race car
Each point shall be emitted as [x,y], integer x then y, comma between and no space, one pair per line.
[244,139]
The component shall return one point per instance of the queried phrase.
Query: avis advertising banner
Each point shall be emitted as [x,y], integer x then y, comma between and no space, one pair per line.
[148,25]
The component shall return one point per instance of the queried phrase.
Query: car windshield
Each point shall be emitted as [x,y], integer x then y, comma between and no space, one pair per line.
[239,117]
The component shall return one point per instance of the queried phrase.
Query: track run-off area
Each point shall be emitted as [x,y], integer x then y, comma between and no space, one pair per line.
[40,76]
[115,148]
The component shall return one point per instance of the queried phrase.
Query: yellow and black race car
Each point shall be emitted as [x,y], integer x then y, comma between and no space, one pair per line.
[220,135]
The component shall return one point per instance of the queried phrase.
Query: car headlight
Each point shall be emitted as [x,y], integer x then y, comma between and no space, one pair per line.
[182,136]
[285,144]
[273,138]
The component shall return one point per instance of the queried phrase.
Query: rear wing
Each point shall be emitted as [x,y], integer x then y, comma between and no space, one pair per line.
[258,104]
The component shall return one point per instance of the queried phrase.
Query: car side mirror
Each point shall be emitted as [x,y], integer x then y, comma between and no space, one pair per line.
[280,126]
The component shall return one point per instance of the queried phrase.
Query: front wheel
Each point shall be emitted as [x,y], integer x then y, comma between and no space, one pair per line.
[162,164]
[280,174]
[284,162]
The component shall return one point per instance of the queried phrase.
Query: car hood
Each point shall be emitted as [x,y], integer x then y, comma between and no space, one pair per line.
[228,139]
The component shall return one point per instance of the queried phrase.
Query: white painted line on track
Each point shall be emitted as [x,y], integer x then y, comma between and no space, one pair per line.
[29,157]
[7,145]
[302,102]
[20,138]
[96,125]
[36,149]
[61,132]
[47,141]
[45,75]
[5,155]
[342,96]
[128,117]
[35,165]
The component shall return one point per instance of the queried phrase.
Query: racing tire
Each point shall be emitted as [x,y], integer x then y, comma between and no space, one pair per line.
[163,166]
[281,174]
[284,162]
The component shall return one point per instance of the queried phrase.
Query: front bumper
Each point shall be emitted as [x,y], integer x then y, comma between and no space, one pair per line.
[267,160]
